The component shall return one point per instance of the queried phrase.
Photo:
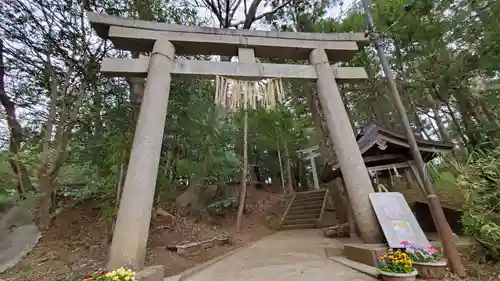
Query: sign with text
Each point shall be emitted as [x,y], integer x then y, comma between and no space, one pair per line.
[397,220]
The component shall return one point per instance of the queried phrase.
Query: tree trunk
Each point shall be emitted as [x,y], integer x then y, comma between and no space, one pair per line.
[288,167]
[421,127]
[466,113]
[243,191]
[348,110]
[16,134]
[46,185]
[451,113]
[281,167]
[435,110]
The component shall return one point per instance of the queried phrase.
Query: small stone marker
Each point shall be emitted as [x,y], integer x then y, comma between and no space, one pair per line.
[397,220]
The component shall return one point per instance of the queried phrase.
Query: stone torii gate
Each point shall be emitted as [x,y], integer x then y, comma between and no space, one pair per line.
[164,42]
[311,154]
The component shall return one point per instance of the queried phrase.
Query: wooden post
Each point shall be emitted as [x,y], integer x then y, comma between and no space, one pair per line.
[444,230]
[131,231]
[248,56]
[353,168]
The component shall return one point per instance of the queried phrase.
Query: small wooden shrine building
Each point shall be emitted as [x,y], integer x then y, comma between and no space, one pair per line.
[385,153]
[384,150]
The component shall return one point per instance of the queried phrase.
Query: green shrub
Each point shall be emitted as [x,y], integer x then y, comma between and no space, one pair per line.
[480,179]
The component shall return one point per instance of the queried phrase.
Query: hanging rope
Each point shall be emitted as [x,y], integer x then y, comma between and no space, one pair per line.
[232,94]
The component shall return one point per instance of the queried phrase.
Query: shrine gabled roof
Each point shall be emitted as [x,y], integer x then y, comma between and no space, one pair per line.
[380,146]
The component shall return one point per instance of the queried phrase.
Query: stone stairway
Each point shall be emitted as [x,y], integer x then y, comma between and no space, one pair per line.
[304,210]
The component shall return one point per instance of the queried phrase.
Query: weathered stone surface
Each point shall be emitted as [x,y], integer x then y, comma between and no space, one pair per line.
[130,237]
[208,243]
[189,249]
[15,244]
[366,269]
[222,240]
[139,36]
[355,175]
[17,216]
[137,68]
[341,230]
[151,273]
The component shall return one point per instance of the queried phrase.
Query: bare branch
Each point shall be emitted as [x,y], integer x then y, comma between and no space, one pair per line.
[250,16]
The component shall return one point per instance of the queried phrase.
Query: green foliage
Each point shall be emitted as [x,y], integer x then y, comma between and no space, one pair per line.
[221,206]
[480,179]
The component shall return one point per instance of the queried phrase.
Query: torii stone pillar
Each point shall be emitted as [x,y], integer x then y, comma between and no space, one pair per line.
[351,162]
[130,235]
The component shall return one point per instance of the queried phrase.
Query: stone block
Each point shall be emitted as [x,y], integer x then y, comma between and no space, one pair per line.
[151,273]
[208,243]
[222,240]
[365,253]
[189,249]
[334,252]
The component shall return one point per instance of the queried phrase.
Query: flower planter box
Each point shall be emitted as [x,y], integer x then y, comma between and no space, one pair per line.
[390,276]
[431,270]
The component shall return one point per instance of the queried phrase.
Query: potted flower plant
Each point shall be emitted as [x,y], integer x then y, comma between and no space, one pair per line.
[121,274]
[428,262]
[396,265]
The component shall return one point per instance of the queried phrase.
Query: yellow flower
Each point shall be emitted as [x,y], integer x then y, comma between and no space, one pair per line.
[126,278]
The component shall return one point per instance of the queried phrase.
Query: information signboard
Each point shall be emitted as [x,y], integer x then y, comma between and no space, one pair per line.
[397,220]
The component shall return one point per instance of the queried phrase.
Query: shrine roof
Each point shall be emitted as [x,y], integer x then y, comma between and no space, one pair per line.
[380,146]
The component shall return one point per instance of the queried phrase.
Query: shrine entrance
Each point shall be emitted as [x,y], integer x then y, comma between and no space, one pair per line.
[387,155]
[163,42]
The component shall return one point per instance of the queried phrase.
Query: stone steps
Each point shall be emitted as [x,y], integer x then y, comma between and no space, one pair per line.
[308,202]
[298,226]
[305,207]
[312,220]
[310,198]
[304,211]
[300,216]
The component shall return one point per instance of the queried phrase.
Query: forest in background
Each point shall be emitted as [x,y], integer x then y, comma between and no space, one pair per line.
[68,130]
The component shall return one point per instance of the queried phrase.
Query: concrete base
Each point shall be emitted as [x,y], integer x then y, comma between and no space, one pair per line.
[151,273]
[363,268]
[365,253]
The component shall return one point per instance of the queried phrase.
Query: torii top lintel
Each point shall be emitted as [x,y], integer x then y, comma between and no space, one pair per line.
[139,36]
